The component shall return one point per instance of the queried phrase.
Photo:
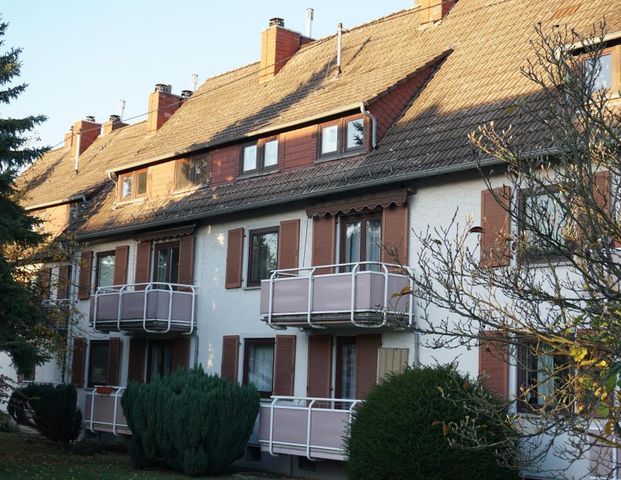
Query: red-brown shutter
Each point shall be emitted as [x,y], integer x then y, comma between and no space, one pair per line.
[121,257]
[230,357]
[494,363]
[234,255]
[143,259]
[324,239]
[284,364]
[186,260]
[319,366]
[114,360]
[367,348]
[289,244]
[181,353]
[64,281]
[395,228]
[135,369]
[86,267]
[45,278]
[77,362]
[495,220]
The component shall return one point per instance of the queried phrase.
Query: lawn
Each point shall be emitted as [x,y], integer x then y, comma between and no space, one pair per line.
[28,456]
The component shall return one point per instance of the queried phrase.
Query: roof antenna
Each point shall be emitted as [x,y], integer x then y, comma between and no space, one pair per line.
[194,81]
[122,108]
[339,35]
[310,15]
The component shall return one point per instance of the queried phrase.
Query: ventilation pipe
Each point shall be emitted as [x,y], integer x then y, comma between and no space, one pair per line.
[310,15]
[339,38]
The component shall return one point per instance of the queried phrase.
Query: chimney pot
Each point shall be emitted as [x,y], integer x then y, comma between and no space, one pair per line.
[114,118]
[163,87]
[277,22]
[186,94]
[90,118]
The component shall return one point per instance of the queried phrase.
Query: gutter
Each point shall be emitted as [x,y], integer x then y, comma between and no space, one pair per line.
[379,182]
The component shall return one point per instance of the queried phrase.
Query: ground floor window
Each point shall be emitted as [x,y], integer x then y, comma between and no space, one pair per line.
[259,364]
[98,363]
[160,359]
[345,367]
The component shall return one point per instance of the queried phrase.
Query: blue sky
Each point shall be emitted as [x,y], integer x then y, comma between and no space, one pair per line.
[80,58]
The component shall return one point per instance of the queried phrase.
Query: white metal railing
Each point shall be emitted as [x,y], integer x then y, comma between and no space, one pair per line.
[172,289]
[307,404]
[116,393]
[388,270]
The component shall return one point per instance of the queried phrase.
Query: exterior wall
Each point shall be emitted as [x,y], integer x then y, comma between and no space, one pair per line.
[161,178]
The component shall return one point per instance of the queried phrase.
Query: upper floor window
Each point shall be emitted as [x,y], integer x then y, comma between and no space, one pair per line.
[166,263]
[104,270]
[133,184]
[190,172]
[260,156]
[361,238]
[542,216]
[259,364]
[263,256]
[604,70]
[342,136]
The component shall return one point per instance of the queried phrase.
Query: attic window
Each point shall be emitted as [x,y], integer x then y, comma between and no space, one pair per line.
[260,156]
[343,136]
[190,172]
[132,185]
[604,69]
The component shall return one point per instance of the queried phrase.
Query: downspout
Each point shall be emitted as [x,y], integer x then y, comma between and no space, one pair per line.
[373,119]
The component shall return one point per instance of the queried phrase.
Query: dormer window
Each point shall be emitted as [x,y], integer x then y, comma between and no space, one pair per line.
[341,137]
[605,69]
[260,156]
[132,185]
[191,172]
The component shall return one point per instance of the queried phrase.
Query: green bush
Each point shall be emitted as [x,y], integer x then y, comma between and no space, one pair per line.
[50,409]
[400,432]
[190,421]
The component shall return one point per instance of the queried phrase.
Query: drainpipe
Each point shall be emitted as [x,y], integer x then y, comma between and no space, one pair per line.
[195,350]
[373,119]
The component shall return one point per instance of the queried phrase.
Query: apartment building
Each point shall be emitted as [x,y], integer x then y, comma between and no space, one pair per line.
[260,225]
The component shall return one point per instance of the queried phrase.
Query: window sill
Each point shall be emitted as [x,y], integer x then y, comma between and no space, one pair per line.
[351,153]
[245,176]
[252,287]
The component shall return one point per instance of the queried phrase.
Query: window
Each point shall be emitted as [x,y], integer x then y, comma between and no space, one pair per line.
[133,184]
[160,359]
[361,238]
[259,364]
[98,363]
[263,255]
[345,367]
[604,70]
[190,173]
[260,156]
[104,274]
[166,263]
[341,137]
[544,210]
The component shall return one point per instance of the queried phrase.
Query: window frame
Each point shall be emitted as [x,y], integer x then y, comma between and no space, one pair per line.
[98,255]
[165,246]
[338,384]
[260,158]
[615,51]
[133,175]
[363,218]
[195,181]
[92,343]
[259,341]
[251,235]
[341,149]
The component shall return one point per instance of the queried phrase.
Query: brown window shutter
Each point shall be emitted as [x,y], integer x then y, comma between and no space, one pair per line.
[230,357]
[186,260]
[395,228]
[143,259]
[367,350]
[289,244]
[181,353]
[121,257]
[64,281]
[234,256]
[494,363]
[77,361]
[602,196]
[86,267]
[45,278]
[319,366]
[284,364]
[137,350]
[324,238]
[114,360]
[496,224]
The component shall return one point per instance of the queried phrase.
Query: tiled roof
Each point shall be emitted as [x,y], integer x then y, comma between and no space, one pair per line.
[476,83]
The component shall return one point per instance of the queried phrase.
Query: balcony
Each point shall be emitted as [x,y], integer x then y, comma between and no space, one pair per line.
[103,411]
[146,307]
[364,294]
[312,427]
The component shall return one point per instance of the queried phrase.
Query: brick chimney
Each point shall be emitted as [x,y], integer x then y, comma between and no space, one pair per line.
[112,124]
[434,10]
[82,134]
[277,45]
[162,104]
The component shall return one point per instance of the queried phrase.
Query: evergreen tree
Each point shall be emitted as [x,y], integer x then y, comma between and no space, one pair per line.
[20,304]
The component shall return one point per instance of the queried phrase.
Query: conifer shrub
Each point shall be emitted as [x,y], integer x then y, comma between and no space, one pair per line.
[190,421]
[50,409]
[400,431]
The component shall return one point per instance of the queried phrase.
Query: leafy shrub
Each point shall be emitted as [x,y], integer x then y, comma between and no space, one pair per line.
[50,409]
[402,430]
[190,421]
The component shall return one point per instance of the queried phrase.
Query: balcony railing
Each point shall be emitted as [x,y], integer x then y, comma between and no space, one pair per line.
[150,307]
[103,411]
[306,426]
[364,294]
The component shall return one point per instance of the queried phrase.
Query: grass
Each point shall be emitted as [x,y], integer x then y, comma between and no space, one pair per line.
[29,456]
